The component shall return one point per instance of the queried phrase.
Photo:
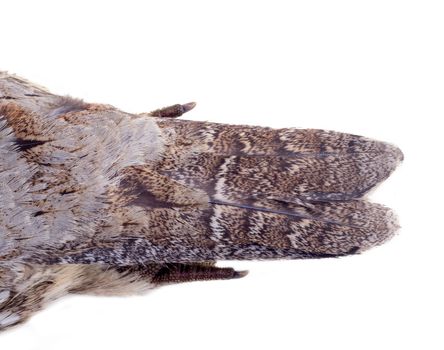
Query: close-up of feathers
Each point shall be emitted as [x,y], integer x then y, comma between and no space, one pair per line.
[98,201]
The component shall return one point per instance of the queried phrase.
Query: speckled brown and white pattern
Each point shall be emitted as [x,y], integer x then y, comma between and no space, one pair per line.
[95,200]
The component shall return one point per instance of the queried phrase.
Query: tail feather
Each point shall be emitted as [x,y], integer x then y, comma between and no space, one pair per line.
[232,162]
[332,229]
[237,140]
[227,231]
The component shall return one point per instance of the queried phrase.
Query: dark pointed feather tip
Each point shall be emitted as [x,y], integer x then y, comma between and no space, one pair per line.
[240,274]
[188,106]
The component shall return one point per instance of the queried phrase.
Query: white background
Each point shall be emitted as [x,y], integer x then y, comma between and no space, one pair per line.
[367,67]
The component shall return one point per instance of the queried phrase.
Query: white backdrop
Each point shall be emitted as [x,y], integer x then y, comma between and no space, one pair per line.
[373,68]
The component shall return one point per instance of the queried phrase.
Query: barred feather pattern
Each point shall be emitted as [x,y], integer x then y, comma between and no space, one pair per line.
[96,200]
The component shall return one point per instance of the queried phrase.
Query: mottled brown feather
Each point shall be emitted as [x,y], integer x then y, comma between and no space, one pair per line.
[96,200]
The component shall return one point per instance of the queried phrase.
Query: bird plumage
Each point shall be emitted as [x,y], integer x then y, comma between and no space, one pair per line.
[96,200]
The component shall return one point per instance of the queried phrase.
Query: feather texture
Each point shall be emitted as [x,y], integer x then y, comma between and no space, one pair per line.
[96,200]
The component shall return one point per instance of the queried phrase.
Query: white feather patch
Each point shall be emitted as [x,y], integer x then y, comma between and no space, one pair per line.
[8,318]
[4,295]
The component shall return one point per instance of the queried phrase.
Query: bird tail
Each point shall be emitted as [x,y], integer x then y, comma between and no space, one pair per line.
[281,193]
[223,192]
